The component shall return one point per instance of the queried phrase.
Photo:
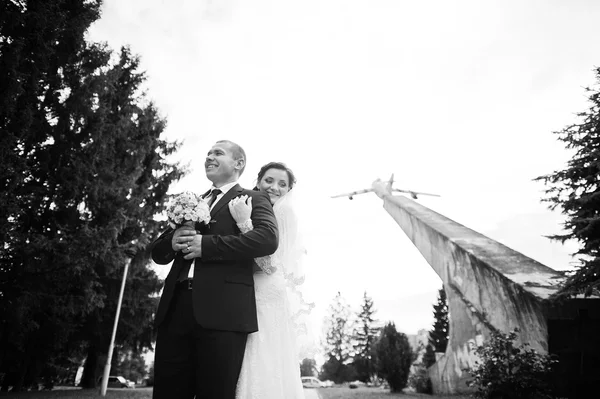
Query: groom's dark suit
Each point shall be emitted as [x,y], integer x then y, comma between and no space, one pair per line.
[202,332]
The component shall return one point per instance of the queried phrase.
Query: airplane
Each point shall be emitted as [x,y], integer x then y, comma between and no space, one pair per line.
[413,194]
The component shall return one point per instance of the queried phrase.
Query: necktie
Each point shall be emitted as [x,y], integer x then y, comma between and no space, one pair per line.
[186,269]
[213,196]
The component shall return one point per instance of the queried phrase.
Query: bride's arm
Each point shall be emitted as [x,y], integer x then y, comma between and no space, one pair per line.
[241,210]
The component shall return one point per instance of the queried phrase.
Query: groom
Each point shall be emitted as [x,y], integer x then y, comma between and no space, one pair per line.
[207,307]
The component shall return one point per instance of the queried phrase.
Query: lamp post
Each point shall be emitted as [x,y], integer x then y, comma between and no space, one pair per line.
[111,347]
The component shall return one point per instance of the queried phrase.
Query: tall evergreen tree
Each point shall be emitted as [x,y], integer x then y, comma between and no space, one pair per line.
[82,173]
[365,335]
[133,192]
[439,334]
[576,191]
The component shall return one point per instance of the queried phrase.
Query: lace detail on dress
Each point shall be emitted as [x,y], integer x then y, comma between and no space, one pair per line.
[265,264]
[246,226]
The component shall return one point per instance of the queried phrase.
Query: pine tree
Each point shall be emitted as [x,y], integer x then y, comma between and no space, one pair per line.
[365,336]
[82,173]
[576,191]
[439,334]
[131,194]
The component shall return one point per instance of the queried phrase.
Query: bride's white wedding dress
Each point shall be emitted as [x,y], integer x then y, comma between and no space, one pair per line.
[270,369]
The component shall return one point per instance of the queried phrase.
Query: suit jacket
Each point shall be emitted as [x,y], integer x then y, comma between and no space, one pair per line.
[223,286]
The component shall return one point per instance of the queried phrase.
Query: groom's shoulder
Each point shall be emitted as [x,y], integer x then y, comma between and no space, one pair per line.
[255,194]
[252,193]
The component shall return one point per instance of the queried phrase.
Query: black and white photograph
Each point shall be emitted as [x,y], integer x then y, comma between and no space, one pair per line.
[300,199]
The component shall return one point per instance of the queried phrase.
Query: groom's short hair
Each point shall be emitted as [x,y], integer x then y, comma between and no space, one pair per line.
[237,151]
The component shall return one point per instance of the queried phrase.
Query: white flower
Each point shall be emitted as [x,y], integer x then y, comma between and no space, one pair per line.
[187,207]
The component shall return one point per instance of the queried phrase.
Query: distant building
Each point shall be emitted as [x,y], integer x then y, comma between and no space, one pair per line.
[418,342]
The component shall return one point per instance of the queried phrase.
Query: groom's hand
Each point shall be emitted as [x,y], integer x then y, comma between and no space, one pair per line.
[194,249]
[182,238]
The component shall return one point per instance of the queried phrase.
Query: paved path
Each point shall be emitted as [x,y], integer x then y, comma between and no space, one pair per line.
[311,394]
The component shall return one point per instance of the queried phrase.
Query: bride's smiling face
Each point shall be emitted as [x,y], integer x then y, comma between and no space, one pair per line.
[276,183]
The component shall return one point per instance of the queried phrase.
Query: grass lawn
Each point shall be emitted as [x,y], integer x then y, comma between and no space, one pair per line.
[138,393]
[375,393]
[146,393]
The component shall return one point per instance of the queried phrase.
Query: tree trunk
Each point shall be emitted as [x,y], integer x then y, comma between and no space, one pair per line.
[20,376]
[88,379]
[24,369]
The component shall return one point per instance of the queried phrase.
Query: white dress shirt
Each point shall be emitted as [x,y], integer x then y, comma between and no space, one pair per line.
[224,189]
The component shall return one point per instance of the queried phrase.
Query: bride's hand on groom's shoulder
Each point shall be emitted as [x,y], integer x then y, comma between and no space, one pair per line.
[241,208]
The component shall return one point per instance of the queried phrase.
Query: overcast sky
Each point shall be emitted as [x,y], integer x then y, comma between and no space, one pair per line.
[458,98]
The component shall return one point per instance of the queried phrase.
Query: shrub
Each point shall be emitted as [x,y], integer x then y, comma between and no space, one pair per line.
[506,371]
[393,357]
[420,380]
[150,378]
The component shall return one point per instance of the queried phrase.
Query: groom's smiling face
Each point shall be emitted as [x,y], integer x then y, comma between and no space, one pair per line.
[221,167]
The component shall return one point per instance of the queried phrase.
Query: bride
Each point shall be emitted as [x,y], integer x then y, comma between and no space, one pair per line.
[270,369]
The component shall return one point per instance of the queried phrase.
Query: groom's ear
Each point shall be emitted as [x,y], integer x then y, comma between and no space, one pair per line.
[240,164]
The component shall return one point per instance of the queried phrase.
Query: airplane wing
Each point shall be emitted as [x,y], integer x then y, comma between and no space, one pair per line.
[389,184]
[353,193]
[414,194]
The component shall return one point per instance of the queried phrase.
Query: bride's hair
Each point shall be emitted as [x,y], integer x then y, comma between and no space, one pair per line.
[276,165]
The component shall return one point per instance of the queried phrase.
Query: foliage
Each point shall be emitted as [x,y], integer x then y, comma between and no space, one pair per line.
[146,393]
[365,335]
[576,190]
[429,356]
[419,379]
[507,371]
[331,370]
[83,393]
[338,339]
[394,357]
[82,173]
[129,364]
[308,367]
[337,372]
[38,297]
[439,334]
[440,331]
[150,378]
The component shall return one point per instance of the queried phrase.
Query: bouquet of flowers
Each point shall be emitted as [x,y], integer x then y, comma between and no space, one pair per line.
[186,209]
